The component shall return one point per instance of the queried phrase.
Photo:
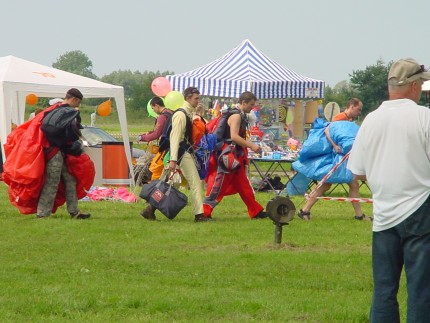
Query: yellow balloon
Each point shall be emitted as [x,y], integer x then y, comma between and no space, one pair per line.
[174,100]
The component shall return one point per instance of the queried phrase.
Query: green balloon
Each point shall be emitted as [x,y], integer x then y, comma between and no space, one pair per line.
[166,158]
[151,112]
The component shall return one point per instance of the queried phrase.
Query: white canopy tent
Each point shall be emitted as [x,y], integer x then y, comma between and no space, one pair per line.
[19,77]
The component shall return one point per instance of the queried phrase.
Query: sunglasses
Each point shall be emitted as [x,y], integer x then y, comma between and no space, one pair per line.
[421,70]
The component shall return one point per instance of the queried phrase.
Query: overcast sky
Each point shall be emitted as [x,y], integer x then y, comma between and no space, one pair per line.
[325,40]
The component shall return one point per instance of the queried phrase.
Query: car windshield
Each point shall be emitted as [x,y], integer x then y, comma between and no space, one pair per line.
[95,136]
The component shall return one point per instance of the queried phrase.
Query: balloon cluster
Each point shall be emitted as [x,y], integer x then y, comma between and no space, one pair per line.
[172,99]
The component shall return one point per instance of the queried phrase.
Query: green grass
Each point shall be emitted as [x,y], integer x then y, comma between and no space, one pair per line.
[117,266]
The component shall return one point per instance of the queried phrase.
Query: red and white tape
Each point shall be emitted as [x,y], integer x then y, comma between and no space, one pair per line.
[345,199]
[341,199]
[324,179]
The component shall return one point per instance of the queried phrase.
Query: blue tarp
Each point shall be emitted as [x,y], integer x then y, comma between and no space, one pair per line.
[317,156]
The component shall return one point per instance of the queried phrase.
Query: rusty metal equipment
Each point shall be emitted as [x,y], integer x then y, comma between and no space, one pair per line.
[281,211]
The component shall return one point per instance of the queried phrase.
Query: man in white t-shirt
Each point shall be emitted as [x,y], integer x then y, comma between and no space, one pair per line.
[392,152]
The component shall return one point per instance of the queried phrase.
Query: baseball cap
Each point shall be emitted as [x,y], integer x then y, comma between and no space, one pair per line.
[405,71]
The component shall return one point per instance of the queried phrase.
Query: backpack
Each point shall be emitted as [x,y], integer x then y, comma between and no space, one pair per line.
[164,141]
[219,126]
[167,113]
[61,126]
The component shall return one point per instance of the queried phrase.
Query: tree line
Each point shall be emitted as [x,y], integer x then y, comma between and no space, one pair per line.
[368,84]
[137,85]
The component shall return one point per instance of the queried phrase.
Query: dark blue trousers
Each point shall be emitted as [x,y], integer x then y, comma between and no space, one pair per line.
[407,244]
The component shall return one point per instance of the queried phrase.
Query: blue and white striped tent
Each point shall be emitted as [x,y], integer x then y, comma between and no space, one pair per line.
[245,68]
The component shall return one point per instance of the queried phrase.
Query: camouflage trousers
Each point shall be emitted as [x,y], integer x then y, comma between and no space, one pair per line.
[55,169]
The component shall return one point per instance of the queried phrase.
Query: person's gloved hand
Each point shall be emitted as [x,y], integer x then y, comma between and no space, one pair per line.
[139,138]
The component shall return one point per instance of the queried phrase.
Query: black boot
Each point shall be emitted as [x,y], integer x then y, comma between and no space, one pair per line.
[80,216]
[201,218]
[260,215]
[149,213]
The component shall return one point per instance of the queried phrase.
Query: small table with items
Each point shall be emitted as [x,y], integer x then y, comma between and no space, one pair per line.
[266,175]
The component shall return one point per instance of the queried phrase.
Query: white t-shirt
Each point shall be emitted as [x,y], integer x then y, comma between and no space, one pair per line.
[392,149]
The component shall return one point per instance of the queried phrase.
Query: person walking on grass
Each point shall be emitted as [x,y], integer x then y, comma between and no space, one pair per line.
[45,164]
[351,112]
[156,167]
[181,154]
[56,169]
[392,153]
[222,181]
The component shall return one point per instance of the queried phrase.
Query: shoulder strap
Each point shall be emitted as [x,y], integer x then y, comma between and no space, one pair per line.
[165,113]
[188,127]
[229,113]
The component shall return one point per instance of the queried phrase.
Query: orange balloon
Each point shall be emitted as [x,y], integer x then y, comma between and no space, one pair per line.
[31,99]
[104,108]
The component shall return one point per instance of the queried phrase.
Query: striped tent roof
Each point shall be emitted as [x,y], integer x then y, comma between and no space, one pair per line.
[245,68]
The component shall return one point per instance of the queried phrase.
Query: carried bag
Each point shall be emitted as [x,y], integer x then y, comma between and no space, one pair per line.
[163,196]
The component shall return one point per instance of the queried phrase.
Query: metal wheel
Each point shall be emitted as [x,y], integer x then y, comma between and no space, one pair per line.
[281,209]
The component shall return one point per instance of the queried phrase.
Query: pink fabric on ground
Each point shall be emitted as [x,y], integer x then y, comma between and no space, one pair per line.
[112,194]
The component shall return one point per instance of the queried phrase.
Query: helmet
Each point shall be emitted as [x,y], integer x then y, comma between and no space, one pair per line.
[227,159]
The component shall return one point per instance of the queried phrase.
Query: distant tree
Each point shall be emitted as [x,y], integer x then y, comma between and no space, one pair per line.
[340,93]
[75,62]
[127,79]
[371,85]
[137,86]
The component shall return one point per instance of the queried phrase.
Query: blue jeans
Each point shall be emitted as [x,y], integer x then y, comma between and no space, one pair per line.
[408,244]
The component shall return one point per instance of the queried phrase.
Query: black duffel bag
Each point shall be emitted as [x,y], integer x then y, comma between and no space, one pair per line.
[163,196]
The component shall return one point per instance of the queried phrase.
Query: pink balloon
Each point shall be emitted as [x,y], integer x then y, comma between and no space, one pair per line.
[161,86]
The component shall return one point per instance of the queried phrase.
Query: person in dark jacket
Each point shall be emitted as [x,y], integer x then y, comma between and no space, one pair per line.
[56,169]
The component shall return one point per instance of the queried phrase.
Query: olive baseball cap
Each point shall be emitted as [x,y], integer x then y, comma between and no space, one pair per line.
[405,71]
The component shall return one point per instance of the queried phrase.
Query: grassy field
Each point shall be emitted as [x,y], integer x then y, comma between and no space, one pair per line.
[119,267]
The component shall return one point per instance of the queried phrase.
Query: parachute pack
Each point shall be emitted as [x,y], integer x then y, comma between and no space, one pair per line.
[61,126]
[164,141]
[219,126]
